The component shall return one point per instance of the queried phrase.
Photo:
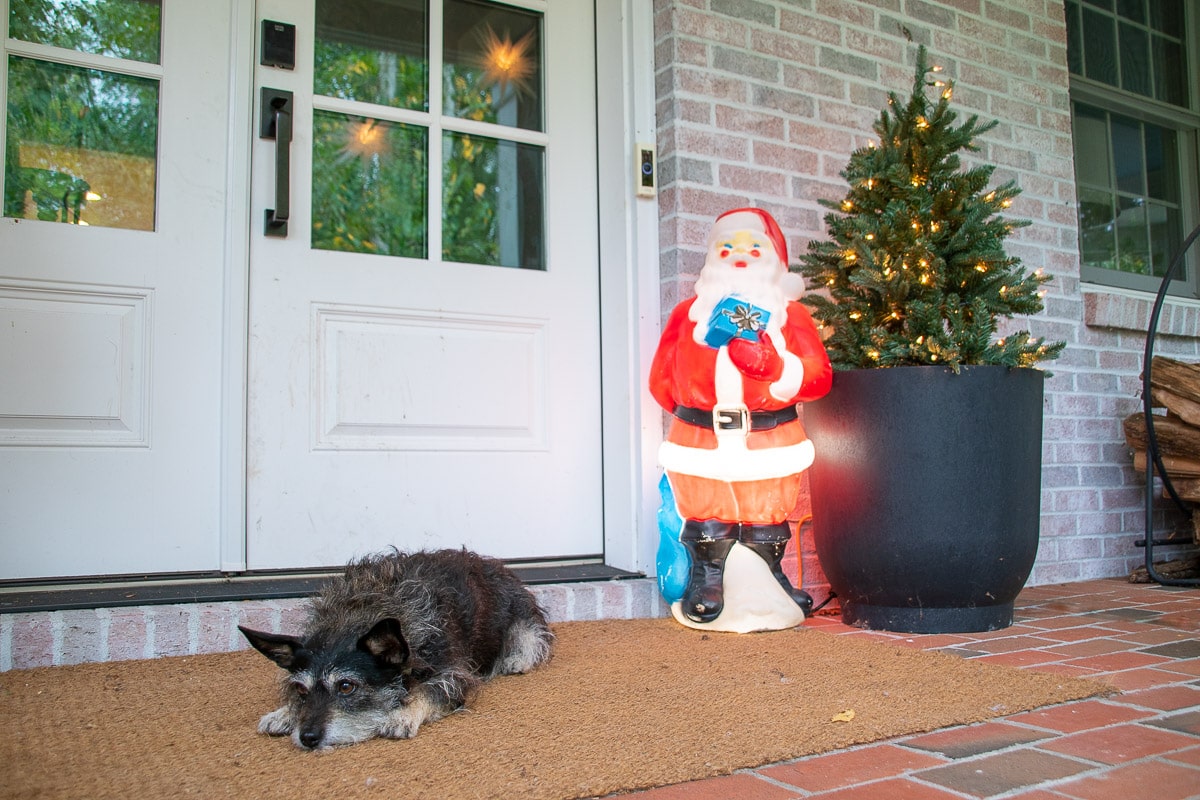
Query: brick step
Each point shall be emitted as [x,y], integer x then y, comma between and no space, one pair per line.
[53,638]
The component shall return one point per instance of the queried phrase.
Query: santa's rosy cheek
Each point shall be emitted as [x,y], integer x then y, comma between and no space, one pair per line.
[755,253]
[724,254]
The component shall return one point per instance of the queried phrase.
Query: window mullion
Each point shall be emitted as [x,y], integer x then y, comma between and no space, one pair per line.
[435,156]
[1114,195]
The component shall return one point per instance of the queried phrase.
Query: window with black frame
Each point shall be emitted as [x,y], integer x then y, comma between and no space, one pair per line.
[1135,117]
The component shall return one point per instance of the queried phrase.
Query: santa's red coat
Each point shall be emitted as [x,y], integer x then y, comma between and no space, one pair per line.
[683,373]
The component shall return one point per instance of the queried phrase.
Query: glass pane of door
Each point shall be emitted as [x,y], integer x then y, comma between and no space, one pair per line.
[373,51]
[482,135]
[369,186]
[129,29]
[492,210]
[81,145]
[492,59]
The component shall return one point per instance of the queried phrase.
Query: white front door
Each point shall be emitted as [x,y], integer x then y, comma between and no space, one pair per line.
[112,254]
[424,340]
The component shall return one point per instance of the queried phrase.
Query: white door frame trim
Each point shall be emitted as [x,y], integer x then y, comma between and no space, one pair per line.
[629,285]
[236,307]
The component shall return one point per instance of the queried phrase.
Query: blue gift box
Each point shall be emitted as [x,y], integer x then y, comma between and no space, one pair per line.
[735,317]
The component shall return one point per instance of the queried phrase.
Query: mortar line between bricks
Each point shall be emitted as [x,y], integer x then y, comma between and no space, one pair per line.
[6,642]
[1098,772]
[1045,785]
[1140,723]
[56,638]
[104,620]
[1051,735]
[151,627]
[1094,768]
[775,781]
[916,779]
[193,630]
[904,776]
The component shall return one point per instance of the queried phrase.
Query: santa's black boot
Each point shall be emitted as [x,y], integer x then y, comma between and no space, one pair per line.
[708,542]
[770,541]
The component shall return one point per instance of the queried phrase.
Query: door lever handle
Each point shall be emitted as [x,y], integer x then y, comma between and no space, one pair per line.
[275,122]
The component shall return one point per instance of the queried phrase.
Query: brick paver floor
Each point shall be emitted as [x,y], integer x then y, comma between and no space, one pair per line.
[1143,742]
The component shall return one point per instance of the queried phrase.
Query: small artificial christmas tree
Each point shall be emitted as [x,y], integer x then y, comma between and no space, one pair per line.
[916,270]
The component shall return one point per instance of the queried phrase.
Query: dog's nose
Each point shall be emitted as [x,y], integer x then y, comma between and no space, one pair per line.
[310,739]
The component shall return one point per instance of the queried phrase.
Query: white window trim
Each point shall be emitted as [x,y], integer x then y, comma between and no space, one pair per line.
[1187,122]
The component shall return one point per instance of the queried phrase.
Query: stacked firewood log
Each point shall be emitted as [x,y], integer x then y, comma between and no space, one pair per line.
[1175,387]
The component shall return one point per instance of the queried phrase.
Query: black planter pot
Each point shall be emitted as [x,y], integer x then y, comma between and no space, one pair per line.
[926,494]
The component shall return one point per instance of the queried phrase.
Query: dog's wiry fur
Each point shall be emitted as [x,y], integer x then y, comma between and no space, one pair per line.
[399,640]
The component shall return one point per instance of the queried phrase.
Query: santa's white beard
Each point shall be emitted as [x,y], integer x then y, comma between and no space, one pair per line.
[757,284]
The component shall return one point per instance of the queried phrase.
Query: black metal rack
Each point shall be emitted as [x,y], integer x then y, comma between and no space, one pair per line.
[1153,457]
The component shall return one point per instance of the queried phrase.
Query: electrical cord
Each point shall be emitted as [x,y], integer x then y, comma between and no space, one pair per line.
[1153,457]
[825,602]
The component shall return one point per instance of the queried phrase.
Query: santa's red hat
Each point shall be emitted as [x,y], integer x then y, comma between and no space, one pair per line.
[753,219]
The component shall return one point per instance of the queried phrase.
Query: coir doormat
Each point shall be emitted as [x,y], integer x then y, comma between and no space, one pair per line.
[623,705]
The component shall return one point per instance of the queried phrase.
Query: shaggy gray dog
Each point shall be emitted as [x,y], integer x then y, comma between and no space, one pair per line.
[399,640]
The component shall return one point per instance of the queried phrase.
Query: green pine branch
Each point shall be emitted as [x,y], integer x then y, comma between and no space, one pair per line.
[915,271]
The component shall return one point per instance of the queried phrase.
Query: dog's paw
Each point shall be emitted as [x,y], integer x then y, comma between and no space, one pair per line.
[401,724]
[278,723]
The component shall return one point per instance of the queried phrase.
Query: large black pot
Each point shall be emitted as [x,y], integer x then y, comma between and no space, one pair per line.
[926,493]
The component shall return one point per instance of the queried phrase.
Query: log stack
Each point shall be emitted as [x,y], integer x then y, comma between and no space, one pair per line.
[1175,387]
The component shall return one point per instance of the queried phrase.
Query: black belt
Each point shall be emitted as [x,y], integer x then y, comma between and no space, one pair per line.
[734,418]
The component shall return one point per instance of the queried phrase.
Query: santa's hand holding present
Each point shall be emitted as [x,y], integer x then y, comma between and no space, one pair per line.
[731,366]
[757,360]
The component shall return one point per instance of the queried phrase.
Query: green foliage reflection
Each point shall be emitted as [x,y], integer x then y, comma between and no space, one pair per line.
[492,202]
[119,28]
[69,129]
[369,180]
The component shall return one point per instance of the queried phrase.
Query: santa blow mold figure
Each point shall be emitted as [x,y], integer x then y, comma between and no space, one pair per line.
[731,366]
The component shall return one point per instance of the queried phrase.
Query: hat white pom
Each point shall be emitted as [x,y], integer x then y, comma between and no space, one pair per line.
[792,285]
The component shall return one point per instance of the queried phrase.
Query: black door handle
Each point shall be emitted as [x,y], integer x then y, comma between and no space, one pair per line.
[275,122]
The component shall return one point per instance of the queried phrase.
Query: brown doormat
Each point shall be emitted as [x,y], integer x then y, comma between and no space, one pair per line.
[624,705]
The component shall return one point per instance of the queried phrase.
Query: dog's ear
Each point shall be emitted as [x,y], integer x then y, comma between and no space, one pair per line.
[283,650]
[386,643]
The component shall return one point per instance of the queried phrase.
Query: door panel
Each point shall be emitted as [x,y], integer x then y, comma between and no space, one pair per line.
[111,288]
[424,348]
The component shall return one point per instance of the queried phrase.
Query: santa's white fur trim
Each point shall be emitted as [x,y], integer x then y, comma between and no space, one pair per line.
[732,461]
[727,380]
[792,285]
[788,385]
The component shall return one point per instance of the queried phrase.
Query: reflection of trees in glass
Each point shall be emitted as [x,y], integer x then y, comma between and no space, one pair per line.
[492,64]
[370,178]
[120,28]
[359,73]
[369,182]
[469,208]
[493,202]
[68,115]
[373,51]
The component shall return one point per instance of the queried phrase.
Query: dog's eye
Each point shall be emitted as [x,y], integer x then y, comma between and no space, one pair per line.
[346,688]
[300,689]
